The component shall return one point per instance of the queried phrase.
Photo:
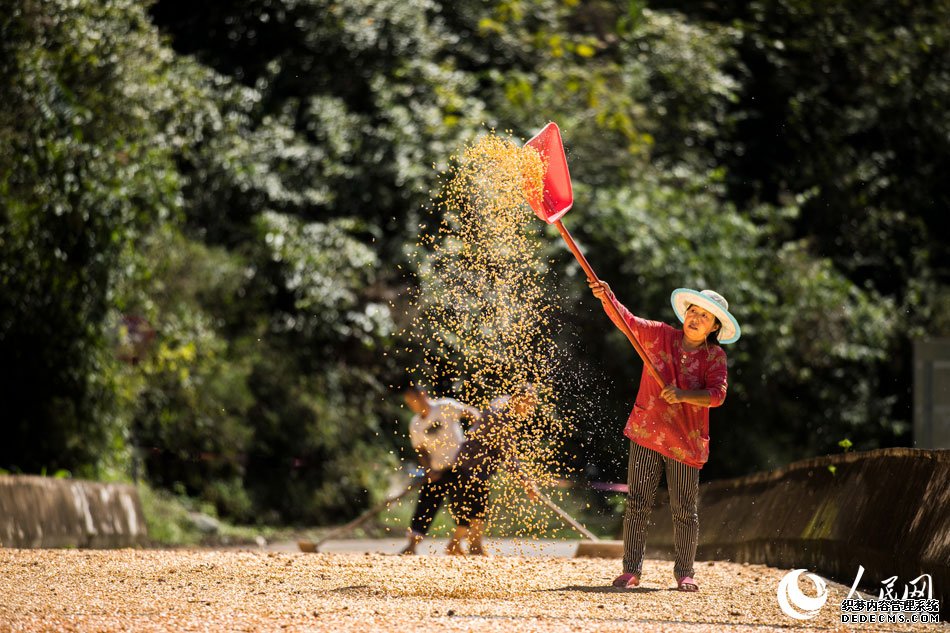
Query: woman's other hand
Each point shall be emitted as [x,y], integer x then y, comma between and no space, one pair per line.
[671,394]
[600,289]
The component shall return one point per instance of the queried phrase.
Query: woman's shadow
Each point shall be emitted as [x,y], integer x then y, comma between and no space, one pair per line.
[607,589]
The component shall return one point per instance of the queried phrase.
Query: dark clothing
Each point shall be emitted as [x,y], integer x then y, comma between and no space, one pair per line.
[490,444]
[431,496]
[469,498]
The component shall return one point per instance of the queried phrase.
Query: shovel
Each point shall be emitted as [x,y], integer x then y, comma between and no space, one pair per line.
[556,200]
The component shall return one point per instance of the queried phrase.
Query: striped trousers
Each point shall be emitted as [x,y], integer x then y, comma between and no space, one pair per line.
[643,478]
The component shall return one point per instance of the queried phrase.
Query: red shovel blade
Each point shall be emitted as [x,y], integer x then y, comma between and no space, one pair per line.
[558,196]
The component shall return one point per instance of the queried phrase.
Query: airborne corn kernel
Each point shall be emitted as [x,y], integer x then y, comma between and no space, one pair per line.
[483,312]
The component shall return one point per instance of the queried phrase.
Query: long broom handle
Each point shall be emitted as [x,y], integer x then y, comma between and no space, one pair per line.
[592,276]
[565,516]
[363,518]
[382,505]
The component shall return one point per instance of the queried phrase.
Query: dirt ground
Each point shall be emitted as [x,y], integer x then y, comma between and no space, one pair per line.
[179,590]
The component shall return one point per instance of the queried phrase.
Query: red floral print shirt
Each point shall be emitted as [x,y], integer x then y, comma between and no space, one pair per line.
[679,431]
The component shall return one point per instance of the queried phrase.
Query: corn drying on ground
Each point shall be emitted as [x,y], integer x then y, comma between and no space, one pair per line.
[188,590]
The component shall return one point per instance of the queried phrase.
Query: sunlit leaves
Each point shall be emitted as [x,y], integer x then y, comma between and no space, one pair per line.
[324,269]
[84,172]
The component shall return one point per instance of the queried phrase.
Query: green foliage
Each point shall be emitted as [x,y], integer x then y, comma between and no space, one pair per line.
[166,518]
[82,175]
[353,102]
[848,100]
[248,187]
[316,441]
[656,90]
[807,330]
[860,86]
[317,414]
[315,272]
[185,401]
[170,519]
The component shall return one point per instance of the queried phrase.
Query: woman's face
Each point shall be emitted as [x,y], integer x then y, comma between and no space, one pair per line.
[698,323]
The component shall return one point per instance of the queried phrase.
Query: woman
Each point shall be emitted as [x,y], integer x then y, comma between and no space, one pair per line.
[669,425]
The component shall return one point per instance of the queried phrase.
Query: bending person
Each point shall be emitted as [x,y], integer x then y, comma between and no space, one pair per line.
[490,443]
[437,436]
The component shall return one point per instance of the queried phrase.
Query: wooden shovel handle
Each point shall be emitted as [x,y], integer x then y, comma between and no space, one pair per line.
[363,518]
[564,516]
[592,276]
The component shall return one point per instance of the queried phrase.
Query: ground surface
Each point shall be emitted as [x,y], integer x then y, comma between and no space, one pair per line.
[179,590]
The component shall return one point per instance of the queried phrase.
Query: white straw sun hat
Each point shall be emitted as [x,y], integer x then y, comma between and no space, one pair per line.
[711,301]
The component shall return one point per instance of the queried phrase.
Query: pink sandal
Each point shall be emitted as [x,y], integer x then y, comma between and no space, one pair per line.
[626,581]
[686,583]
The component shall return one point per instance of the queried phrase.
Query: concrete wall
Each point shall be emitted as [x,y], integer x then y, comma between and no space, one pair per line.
[932,393]
[44,512]
[888,510]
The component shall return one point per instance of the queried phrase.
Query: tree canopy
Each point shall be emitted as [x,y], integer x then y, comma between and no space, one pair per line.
[206,211]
